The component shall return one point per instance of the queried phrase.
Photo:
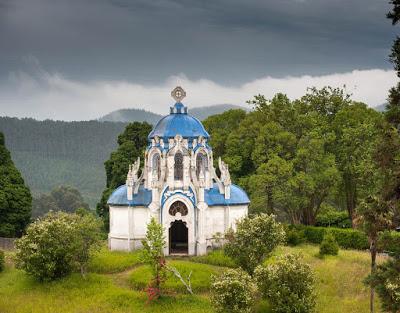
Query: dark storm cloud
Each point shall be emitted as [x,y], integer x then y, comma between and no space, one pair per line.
[229,41]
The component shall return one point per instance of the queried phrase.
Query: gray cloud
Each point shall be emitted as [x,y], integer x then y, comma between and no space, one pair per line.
[41,94]
[228,41]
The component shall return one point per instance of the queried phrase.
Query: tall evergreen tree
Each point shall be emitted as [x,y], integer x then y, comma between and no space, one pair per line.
[131,144]
[15,196]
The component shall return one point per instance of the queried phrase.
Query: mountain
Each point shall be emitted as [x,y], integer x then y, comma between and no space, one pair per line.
[53,153]
[381,107]
[129,115]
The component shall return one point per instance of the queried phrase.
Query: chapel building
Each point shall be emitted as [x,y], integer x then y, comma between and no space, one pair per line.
[179,187]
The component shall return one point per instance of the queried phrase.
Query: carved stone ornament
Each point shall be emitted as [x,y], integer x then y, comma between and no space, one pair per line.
[178,94]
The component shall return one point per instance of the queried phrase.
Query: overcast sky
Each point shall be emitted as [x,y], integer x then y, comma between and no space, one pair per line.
[80,59]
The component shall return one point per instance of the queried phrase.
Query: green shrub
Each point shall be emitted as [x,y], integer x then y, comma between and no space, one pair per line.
[329,245]
[2,260]
[333,218]
[255,238]
[294,236]
[233,292]
[216,257]
[287,284]
[56,245]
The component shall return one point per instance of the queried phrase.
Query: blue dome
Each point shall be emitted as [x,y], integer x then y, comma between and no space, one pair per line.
[238,196]
[178,122]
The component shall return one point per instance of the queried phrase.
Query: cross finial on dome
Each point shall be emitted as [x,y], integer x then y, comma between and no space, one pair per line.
[178,93]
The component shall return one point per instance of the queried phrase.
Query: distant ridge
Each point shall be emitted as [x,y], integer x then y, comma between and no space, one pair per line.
[381,107]
[129,115]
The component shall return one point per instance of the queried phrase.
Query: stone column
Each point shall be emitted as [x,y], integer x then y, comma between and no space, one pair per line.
[201,223]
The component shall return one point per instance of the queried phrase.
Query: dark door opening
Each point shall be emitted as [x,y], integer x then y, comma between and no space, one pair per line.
[178,238]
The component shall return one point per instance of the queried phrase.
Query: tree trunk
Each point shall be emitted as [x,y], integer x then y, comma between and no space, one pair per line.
[270,201]
[373,268]
[351,196]
[308,216]
[83,271]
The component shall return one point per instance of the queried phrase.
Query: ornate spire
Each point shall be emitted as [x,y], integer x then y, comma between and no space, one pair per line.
[178,94]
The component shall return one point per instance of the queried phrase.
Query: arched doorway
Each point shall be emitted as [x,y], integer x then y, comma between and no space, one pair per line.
[178,238]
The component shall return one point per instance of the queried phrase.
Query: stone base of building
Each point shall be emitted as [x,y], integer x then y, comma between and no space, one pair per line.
[123,244]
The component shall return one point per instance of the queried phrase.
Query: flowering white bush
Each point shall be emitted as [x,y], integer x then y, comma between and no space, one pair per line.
[55,245]
[255,238]
[288,285]
[233,292]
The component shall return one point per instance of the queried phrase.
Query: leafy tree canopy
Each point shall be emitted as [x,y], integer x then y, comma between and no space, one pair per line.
[63,198]
[294,157]
[131,144]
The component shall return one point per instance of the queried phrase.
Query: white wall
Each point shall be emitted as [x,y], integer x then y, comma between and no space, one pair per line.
[127,227]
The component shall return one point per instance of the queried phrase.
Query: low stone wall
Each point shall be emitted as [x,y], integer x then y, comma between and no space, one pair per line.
[7,243]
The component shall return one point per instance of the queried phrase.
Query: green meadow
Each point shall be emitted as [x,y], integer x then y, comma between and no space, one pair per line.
[116,282]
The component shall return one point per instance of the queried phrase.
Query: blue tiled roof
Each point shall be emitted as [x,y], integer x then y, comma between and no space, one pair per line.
[119,197]
[238,196]
[178,122]
[211,196]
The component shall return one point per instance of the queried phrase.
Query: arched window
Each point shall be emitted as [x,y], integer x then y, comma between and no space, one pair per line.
[201,163]
[155,163]
[178,167]
[176,207]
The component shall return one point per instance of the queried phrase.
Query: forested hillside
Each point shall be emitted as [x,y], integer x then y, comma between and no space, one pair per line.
[128,115]
[53,153]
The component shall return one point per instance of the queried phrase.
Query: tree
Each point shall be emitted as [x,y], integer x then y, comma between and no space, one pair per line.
[15,197]
[329,246]
[356,134]
[375,215]
[153,255]
[131,145]
[254,240]
[63,198]
[288,284]
[43,204]
[315,176]
[386,279]
[220,126]
[269,183]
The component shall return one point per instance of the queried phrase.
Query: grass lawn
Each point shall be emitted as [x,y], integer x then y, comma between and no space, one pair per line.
[117,279]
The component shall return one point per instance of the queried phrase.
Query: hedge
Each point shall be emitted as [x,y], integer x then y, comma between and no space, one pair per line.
[346,238]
